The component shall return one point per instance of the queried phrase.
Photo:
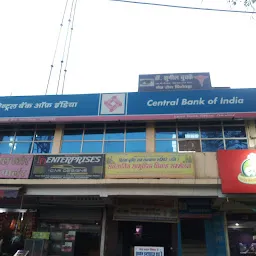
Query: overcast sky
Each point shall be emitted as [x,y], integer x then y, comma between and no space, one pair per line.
[114,42]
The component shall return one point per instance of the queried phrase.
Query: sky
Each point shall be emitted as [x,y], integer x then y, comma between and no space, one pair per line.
[113,42]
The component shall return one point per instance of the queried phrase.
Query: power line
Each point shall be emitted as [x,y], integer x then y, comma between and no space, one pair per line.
[183,7]
[72,28]
[56,47]
[65,44]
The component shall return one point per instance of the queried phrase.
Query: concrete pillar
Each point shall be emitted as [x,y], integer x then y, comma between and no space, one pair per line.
[150,138]
[57,139]
[251,133]
[103,232]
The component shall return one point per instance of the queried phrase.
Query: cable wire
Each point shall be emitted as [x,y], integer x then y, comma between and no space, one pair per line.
[72,28]
[183,7]
[65,44]
[56,47]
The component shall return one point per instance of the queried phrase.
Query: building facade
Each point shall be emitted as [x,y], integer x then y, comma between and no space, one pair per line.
[169,172]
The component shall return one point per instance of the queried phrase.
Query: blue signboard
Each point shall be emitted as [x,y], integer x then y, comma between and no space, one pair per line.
[172,82]
[230,103]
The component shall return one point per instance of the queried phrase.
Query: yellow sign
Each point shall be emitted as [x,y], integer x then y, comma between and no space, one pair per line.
[149,165]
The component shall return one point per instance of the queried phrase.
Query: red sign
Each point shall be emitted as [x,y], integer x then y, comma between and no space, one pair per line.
[237,169]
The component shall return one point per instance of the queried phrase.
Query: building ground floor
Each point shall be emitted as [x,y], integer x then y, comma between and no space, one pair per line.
[128,225]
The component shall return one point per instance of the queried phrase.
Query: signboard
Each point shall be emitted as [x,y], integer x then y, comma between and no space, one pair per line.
[192,104]
[148,251]
[237,170]
[68,167]
[146,213]
[15,166]
[195,208]
[149,165]
[41,235]
[171,82]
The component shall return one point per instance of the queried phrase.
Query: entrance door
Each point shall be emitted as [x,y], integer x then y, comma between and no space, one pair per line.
[145,234]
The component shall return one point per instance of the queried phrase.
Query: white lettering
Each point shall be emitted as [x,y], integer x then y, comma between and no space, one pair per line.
[192,102]
[163,103]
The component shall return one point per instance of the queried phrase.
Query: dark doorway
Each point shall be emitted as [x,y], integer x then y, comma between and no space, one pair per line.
[87,244]
[145,234]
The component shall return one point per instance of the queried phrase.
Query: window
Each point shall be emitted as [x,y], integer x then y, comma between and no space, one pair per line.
[100,138]
[26,139]
[199,137]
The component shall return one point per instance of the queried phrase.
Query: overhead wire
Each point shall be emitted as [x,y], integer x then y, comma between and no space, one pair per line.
[71,32]
[65,44]
[56,47]
[184,7]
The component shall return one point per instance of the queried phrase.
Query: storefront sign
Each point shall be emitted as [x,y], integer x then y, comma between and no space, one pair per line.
[15,166]
[237,170]
[195,208]
[192,104]
[148,251]
[171,82]
[147,213]
[150,165]
[41,235]
[68,167]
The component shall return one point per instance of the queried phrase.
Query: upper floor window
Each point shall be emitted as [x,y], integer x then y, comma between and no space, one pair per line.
[200,137]
[26,139]
[100,138]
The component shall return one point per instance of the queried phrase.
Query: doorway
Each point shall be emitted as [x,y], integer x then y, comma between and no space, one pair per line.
[145,234]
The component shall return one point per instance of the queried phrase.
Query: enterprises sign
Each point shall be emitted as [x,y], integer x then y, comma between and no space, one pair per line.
[149,165]
[171,82]
[68,167]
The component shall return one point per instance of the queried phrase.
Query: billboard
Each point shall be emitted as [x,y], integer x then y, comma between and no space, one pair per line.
[237,170]
[172,82]
[192,104]
[15,166]
[68,167]
[149,165]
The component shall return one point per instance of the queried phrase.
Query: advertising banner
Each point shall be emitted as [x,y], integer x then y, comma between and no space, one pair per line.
[15,166]
[146,213]
[192,104]
[237,169]
[148,251]
[149,165]
[68,167]
[170,82]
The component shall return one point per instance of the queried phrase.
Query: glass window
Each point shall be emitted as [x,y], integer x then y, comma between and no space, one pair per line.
[42,147]
[5,147]
[236,144]
[7,136]
[135,146]
[44,135]
[212,145]
[165,133]
[139,133]
[71,147]
[24,136]
[188,132]
[190,145]
[96,134]
[92,147]
[72,135]
[22,148]
[211,132]
[114,134]
[234,132]
[166,146]
[113,146]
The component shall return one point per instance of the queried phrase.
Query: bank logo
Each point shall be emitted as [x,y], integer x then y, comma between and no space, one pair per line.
[248,170]
[200,79]
[113,104]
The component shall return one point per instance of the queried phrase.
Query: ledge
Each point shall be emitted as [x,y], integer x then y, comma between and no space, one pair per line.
[106,182]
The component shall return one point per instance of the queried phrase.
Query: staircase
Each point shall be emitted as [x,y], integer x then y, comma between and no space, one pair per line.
[193,248]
